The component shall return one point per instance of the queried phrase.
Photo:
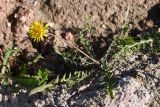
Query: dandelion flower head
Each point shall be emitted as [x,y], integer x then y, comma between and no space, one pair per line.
[38,31]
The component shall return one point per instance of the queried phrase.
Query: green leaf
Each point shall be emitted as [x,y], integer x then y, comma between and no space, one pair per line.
[40,88]
[7,55]
[64,78]
[26,81]
[110,91]
[5,82]
[36,59]
[41,76]
[57,80]
[23,69]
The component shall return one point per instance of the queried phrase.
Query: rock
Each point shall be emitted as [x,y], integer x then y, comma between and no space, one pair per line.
[130,93]
[40,103]
[144,58]
[1,98]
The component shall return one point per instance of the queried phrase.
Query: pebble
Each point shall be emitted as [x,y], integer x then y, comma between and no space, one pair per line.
[0,97]
[51,24]
[147,69]
[14,95]
[141,75]
[40,103]
[23,19]
[133,58]
[144,58]
[8,24]
[35,3]
[5,98]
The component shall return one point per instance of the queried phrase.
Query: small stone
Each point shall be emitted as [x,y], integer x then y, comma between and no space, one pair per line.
[23,19]
[0,97]
[147,69]
[5,98]
[23,90]
[51,24]
[141,75]
[35,3]
[103,26]
[40,103]
[159,30]
[144,58]
[133,58]
[8,24]
[150,23]
[157,73]
[15,16]
[17,85]
[14,95]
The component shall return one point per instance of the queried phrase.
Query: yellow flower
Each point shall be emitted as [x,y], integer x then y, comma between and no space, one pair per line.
[38,31]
